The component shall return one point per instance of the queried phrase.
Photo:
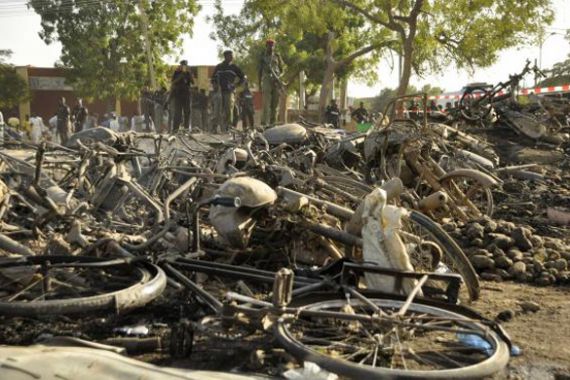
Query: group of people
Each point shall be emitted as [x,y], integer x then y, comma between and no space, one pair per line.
[335,117]
[224,108]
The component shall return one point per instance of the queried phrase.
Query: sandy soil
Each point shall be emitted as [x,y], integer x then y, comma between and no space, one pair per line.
[543,336]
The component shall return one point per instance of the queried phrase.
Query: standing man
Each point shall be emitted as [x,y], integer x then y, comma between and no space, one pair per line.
[180,93]
[147,108]
[79,115]
[360,114]
[215,101]
[63,121]
[246,106]
[159,98]
[200,109]
[225,75]
[332,114]
[269,81]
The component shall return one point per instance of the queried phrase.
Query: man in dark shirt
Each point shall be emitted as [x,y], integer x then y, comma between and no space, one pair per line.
[79,115]
[332,114]
[159,98]
[63,121]
[224,79]
[199,109]
[180,93]
[246,106]
[360,114]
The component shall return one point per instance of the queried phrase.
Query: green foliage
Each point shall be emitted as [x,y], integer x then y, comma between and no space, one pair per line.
[103,45]
[471,33]
[431,90]
[380,102]
[466,33]
[300,29]
[13,88]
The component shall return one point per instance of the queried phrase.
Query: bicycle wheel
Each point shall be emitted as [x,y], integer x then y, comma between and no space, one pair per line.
[475,103]
[427,244]
[370,340]
[41,285]
[468,192]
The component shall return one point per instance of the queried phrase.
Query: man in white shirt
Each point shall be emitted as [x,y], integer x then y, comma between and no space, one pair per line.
[53,129]
[114,123]
[38,129]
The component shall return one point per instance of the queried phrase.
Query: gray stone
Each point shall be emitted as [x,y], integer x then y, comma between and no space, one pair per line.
[515,254]
[505,315]
[503,262]
[505,227]
[502,241]
[538,266]
[482,262]
[518,268]
[553,255]
[521,237]
[525,277]
[527,260]
[488,276]
[529,306]
[503,273]
[474,230]
[553,243]
[560,264]
[543,281]
[563,276]
[537,241]
[479,252]
[477,242]
[450,227]
[565,255]
[490,225]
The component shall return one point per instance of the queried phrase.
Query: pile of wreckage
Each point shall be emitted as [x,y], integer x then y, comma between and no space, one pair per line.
[278,252]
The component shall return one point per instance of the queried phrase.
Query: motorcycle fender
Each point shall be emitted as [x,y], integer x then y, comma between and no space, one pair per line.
[484,179]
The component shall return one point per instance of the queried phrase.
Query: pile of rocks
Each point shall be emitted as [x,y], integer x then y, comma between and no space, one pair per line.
[500,250]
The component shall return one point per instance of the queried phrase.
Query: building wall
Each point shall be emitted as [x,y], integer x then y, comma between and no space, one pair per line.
[47,87]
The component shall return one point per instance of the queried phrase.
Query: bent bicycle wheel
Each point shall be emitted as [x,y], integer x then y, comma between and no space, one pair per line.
[379,339]
[42,285]
[422,236]
[475,103]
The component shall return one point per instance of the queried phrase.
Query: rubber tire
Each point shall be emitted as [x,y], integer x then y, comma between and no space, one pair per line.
[452,252]
[150,286]
[495,363]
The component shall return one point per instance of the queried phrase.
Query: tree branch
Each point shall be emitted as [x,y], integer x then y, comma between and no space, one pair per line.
[362,11]
[358,53]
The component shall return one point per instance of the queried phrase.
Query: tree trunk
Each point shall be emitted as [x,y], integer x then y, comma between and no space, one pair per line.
[407,66]
[326,88]
[283,98]
[328,75]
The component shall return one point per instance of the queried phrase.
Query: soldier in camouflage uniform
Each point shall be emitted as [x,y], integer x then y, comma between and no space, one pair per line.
[269,81]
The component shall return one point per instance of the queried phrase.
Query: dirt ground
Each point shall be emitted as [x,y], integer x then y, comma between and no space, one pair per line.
[543,336]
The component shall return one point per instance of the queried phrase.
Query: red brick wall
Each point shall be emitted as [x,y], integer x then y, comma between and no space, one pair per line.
[44,103]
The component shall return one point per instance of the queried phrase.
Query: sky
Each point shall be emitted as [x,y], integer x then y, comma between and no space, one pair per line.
[19,32]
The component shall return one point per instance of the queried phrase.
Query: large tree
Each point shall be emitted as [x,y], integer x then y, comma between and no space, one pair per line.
[433,34]
[313,36]
[103,42]
[13,88]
